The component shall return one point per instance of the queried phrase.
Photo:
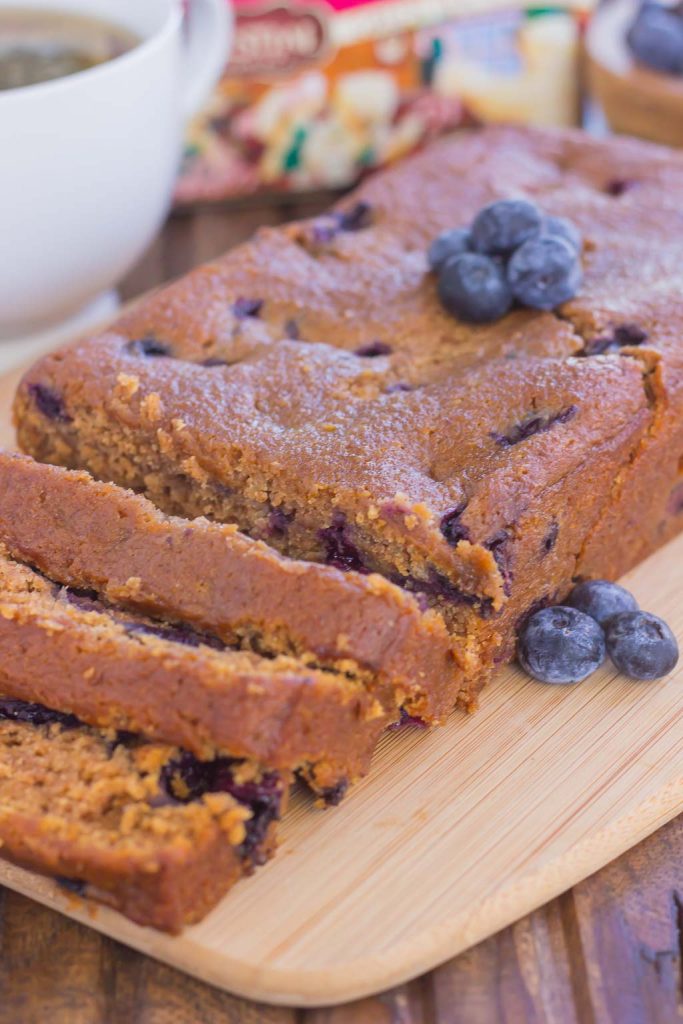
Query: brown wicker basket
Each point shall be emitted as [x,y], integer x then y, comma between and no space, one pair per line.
[636,101]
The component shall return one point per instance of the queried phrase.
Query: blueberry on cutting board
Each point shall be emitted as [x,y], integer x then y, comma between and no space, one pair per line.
[561,645]
[602,600]
[641,645]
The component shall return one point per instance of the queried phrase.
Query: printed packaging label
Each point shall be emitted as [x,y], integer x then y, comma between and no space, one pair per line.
[318,92]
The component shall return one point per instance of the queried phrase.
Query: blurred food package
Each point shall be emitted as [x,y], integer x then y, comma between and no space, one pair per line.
[319,91]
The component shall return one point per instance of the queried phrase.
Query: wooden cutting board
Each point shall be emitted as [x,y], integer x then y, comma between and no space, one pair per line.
[455,834]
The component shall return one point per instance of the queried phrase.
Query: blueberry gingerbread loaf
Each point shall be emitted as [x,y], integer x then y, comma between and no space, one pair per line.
[143,827]
[311,388]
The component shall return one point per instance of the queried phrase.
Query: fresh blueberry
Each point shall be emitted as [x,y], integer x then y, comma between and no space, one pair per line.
[474,288]
[602,600]
[641,645]
[561,645]
[503,226]
[656,39]
[446,245]
[544,272]
[561,227]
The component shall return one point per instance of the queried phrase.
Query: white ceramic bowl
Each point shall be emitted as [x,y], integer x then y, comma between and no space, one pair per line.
[88,161]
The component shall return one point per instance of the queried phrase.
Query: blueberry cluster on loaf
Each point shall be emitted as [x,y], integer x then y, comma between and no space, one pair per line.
[511,253]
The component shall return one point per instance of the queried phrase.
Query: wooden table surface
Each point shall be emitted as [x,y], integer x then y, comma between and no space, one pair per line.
[610,951]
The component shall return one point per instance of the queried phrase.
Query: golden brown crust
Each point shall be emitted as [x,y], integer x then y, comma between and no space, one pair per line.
[179,892]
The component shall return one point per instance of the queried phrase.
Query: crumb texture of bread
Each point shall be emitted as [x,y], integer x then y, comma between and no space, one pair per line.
[118,670]
[99,811]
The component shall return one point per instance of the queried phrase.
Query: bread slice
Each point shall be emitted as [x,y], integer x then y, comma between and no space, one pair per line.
[98,536]
[113,669]
[143,827]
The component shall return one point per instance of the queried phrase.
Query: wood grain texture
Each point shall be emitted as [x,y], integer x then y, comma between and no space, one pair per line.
[606,953]
[570,961]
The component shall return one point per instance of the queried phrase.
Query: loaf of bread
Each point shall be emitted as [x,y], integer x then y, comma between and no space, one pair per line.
[310,388]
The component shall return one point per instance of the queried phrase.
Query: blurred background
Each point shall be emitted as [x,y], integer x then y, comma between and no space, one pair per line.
[317,93]
[310,96]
